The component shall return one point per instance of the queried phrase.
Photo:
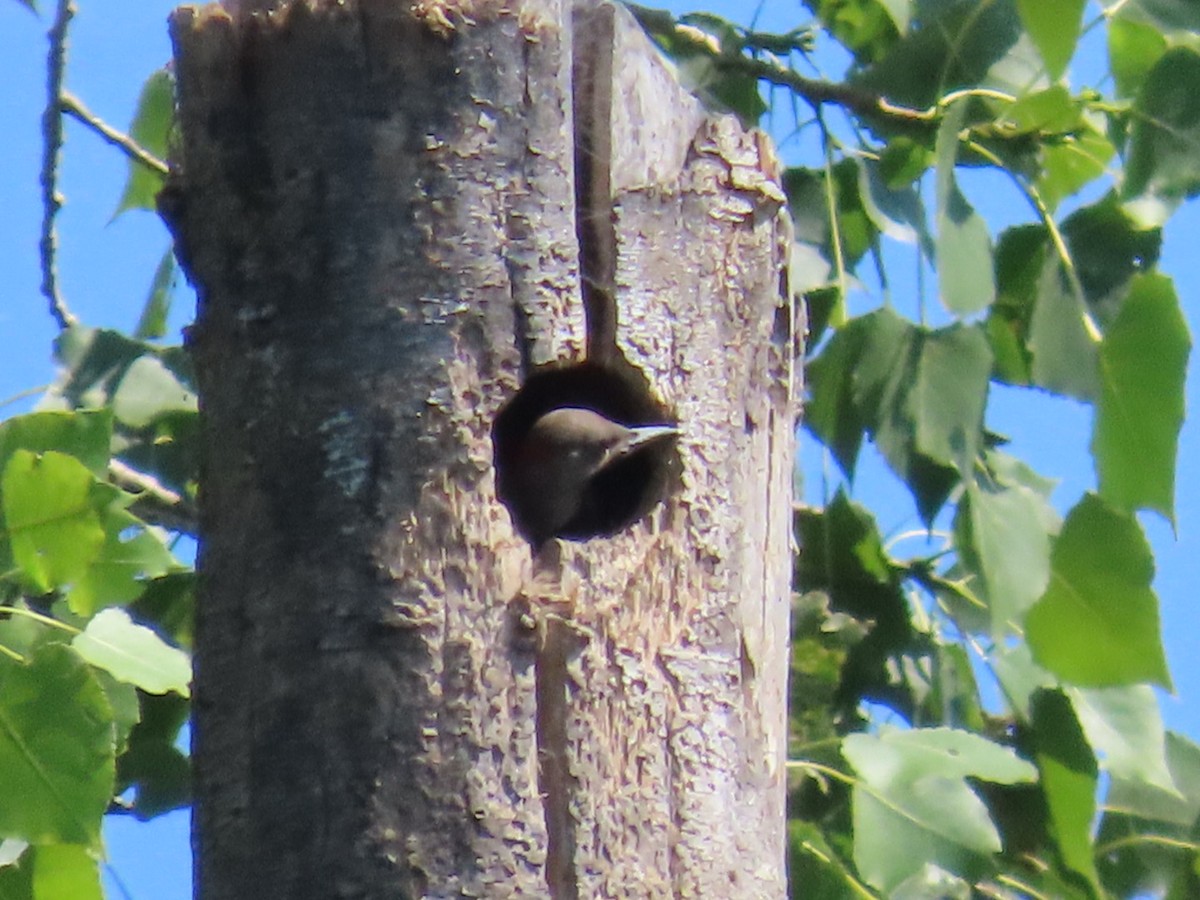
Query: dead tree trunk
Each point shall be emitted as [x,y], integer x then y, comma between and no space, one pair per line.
[409,239]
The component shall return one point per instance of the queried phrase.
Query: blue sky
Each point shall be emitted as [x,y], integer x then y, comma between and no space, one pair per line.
[106,269]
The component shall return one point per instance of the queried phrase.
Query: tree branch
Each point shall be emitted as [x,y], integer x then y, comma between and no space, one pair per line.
[156,504]
[52,139]
[74,107]
[816,91]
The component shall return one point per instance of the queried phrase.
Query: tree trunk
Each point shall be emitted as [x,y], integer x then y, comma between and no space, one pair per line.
[396,695]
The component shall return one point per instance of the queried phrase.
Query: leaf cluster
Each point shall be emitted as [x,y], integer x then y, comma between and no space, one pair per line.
[97,488]
[980,719]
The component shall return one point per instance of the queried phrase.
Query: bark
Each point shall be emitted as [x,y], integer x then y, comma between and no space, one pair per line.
[395,694]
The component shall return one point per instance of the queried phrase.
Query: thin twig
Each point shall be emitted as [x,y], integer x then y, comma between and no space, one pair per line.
[74,107]
[52,139]
[818,92]
[156,503]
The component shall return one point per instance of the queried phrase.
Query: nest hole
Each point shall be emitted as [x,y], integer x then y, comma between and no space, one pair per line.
[620,493]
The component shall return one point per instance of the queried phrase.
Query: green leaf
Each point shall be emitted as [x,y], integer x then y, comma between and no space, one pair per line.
[835,414]
[1020,256]
[1147,834]
[1064,350]
[808,192]
[964,247]
[1097,623]
[1050,110]
[948,395]
[956,45]
[168,603]
[846,561]
[903,161]
[83,434]
[1164,15]
[131,553]
[1124,727]
[920,394]
[97,361]
[62,871]
[153,321]
[1180,805]
[1133,49]
[133,654]
[1054,28]
[153,766]
[1109,249]
[1072,162]
[815,869]
[149,389]
[864,27]
[1003,533]
[900,11]
[1164,149]
[931,881]
[1068,780]
[151,129]
[123,698]
[1020,677]
[53,528]
[1143,367]
[16,879]
[896,212]
[913,805]
[56,749]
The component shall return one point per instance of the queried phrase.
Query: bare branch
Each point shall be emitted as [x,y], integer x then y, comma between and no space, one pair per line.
[75,108]
[156,503]
[52,138]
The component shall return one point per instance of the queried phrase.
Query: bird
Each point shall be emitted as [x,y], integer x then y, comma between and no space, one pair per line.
[557,465]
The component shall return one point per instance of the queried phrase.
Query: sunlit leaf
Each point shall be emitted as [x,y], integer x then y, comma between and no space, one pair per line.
[1133,49]
[56,748]
[53,527]
[1143,366]
[64,870]
[151,129]
[1071,163]
[1054,27]
[1097,623]
[133,653]
[1123,725]
[131,554]
[83,434]
[913,806]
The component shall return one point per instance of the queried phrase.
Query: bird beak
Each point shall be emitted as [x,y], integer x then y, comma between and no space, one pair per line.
[639,437]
